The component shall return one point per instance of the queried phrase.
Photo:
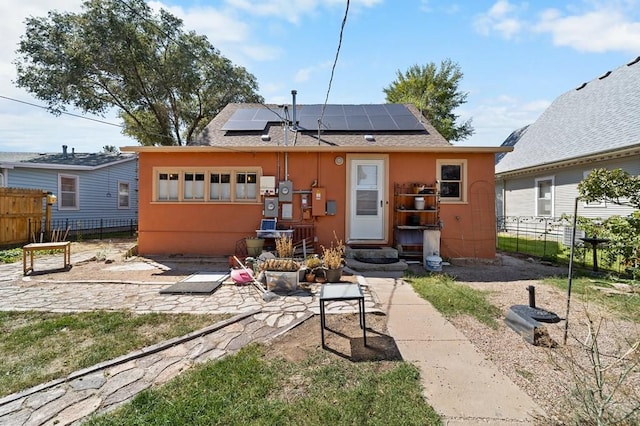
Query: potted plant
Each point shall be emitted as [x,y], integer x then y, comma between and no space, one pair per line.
[332,259]
[284,246]
[312,263]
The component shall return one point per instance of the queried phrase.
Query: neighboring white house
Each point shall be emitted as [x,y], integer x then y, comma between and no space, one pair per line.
[595,125]
[89,186]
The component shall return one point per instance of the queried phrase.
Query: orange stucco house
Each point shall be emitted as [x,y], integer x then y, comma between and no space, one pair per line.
[351,178]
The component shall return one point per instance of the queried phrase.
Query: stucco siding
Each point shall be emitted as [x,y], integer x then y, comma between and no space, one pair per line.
[213,228]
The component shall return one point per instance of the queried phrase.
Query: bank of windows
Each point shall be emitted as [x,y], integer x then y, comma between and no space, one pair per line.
[208,186]
[452,180]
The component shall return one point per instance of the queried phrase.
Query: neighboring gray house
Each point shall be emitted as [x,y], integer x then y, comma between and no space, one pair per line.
[595,125]
[89,187]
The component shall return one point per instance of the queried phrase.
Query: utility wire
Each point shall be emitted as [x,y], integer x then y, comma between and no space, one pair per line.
[335,61]
[62,112]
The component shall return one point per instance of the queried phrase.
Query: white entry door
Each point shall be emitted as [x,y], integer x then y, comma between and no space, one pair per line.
[366,199]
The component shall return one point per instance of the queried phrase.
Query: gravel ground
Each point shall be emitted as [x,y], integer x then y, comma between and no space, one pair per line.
[546,374]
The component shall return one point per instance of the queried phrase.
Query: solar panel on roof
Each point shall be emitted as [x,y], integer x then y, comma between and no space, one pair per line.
[379,117]
[334,122]
[354,109]
[244,114]
[405,122]
[397,109]
[239,125]
[383,122]
[359,122]
[375,110]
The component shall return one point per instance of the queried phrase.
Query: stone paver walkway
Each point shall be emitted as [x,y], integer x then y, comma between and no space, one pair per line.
[106,386]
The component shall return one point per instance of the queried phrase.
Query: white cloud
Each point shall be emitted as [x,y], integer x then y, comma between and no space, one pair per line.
[595,31]
[590,26]
[501,18]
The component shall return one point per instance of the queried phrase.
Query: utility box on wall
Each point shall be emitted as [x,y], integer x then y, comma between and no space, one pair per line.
[318,202]
[285,191]
[270,207]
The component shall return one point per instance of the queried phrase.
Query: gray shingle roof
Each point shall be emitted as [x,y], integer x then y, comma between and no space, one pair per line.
[599,116]
[213,135]
[89,160]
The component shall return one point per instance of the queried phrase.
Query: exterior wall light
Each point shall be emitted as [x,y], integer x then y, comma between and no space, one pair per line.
[369,138]
[265,138]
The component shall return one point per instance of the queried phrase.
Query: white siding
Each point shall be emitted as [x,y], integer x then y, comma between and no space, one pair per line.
[519,199]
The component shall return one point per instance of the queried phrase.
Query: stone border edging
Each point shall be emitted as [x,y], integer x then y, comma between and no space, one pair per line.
[149,350]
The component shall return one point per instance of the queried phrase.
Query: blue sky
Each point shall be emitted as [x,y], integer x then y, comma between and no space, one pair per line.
[516,56]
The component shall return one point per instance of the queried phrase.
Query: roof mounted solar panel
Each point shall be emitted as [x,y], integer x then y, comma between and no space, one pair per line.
[405,122]
[240,125]
[359,122]
[250,119]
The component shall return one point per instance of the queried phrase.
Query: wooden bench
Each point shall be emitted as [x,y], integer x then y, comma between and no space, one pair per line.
[64,246]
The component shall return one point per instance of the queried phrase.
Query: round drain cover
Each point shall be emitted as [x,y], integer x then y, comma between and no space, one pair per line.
[537,314]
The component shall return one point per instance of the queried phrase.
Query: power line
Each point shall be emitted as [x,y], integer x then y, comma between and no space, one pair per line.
[62,112]
[335,61]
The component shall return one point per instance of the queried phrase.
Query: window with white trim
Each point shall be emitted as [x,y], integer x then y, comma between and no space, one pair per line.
[206,185]
[451,175]
[68,192]
[544,197]
[124,195]
[193,188]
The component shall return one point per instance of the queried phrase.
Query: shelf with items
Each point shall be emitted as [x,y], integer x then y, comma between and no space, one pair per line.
[416,209]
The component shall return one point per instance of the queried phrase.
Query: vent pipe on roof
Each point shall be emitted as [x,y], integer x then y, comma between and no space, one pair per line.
[295,118]
[64,151]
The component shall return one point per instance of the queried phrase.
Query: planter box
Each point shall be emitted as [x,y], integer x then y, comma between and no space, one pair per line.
[281,281]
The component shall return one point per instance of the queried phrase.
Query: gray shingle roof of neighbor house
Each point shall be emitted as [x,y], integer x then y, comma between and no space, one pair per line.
[62,160]
[217,134]
[597,117]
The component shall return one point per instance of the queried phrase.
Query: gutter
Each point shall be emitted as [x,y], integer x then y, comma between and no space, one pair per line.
[314,148]
[575,161]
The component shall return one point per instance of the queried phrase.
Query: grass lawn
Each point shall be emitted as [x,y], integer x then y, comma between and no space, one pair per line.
[451,298]
[37,347]
[251,388]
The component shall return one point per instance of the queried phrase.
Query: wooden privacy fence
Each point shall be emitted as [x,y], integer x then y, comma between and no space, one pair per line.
[21,213]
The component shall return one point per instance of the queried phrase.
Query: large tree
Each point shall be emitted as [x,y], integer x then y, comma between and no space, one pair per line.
[165,83]
[434,92]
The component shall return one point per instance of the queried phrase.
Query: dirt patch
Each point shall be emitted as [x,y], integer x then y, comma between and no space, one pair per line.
[343,338]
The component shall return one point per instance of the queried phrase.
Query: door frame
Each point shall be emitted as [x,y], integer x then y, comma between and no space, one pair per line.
[385,198]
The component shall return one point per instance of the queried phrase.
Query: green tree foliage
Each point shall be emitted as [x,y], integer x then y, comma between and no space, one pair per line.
[166,84]
[110,149]
[434,92]
[618,187]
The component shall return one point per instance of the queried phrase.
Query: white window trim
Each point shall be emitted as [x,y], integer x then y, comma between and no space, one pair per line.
[463,180]
[592,204]
[77,193]
[553,195]
[3,178]
[207,180]
[128,206]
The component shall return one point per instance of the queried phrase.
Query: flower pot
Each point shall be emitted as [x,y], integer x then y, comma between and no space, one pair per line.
[334,275]
[254,246]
